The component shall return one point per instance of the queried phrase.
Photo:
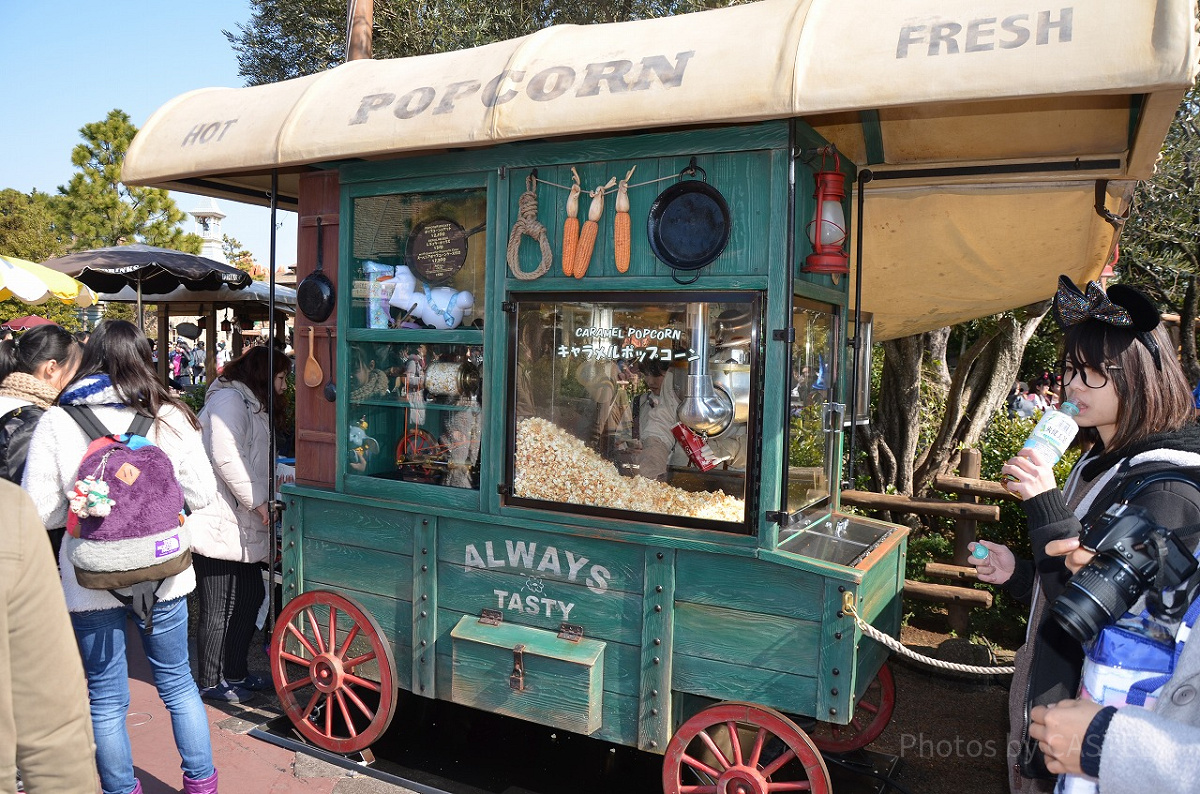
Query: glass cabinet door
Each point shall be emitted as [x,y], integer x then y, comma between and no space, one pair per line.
[414,412]
[812,427]
[418,260]
[621,407]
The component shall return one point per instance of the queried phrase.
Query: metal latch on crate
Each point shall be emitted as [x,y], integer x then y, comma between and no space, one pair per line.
[491,617]
[517,679]
[572,632]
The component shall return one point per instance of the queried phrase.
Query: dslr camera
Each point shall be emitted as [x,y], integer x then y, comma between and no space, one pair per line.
[1132,554]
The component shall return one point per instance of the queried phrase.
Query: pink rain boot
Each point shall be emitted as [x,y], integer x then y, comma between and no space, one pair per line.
[206,786]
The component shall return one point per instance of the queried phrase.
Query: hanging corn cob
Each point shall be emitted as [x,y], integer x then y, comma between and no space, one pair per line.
[571,225]
[587,235]
[621,235]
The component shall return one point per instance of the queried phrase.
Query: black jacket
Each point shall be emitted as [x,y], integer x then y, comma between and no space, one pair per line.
[1056,659]
[16,428]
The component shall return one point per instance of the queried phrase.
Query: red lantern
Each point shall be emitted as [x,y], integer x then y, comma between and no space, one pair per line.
[827,229]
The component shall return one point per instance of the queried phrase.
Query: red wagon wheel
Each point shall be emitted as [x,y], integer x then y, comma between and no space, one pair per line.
[334,671]
[871,716]
[742,748]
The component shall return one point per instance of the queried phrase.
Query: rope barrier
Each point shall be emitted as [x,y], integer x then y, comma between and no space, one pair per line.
[894,644]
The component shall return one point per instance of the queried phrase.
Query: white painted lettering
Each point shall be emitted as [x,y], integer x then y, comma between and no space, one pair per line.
[548,603]
[574,564]
[472,558]
[500,596]
[566,610]
[520,554]
[492,562]
[532,606]
[550,561]
[597,582]
[514,603]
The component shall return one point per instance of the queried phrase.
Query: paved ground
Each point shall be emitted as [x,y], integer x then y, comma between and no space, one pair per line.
[246,765]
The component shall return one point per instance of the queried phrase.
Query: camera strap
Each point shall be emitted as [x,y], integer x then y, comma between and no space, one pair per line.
[1175,601]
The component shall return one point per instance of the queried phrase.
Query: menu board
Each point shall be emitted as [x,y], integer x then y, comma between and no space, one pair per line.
[437,249]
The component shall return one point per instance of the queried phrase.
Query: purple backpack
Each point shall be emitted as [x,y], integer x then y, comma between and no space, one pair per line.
[127,514]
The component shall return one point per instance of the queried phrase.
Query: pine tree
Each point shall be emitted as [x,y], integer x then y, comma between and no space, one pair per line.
[97,210]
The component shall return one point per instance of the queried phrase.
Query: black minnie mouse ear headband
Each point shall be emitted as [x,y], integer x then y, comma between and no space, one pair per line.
[1121,306]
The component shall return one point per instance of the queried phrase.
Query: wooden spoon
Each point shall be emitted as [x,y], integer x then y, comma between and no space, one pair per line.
[312,370]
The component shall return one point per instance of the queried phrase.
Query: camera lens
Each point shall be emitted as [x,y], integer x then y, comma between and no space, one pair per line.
[1096,596]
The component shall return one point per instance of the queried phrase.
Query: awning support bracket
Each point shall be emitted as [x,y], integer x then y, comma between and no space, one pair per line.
[1117,221]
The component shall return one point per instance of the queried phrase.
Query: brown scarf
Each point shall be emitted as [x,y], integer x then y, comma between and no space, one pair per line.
[24,386]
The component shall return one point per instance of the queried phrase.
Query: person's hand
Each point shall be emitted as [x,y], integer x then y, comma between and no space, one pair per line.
[1059,729]
[1028,474]
[1076,557]
[263,513]
[997,567]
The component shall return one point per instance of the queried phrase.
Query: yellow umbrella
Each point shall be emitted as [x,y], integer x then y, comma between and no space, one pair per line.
[32,283]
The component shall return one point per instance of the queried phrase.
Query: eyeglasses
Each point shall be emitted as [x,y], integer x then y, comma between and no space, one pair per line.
[1098,377]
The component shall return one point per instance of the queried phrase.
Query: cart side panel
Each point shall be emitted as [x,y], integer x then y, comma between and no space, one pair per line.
[542,580]
[746,629]
[364,553]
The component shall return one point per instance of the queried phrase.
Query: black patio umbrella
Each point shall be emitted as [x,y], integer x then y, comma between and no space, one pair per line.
[149,270]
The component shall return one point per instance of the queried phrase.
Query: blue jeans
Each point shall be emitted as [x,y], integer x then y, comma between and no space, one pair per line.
[101,638]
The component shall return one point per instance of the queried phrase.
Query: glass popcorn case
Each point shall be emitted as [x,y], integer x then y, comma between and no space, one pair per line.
[625,405]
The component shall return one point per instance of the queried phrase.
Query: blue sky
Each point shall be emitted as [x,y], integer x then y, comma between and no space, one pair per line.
[68,63]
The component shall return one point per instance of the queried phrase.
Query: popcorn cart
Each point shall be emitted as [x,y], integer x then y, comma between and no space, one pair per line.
[596,348]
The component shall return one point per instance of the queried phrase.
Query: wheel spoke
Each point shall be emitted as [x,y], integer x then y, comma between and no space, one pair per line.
[734,742]
[332,628]
[756,753]
[329,714]
[797,785]
[856,724]
[349,639]
[316,628]
[350,664]
[700,766]
[303,640]
[778,763]
[288,657]
[869,707]
[312,703]
[712,748]
[353,679]
[294,685]
[697,790]
[346,713]
[368,713]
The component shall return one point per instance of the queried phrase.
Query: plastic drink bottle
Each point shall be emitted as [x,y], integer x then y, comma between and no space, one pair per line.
[980,552]
[1054,432]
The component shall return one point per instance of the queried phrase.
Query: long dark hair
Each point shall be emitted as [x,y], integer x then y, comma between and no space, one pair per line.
[118,349]
[251,370]
[36,346]
[1149,401]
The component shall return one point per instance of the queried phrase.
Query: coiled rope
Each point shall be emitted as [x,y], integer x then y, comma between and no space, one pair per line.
[894,644]
[528,224]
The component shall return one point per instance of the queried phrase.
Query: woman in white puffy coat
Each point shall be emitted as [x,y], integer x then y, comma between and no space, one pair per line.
[231,538]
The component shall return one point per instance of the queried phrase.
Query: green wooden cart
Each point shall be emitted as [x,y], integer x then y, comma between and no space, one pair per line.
[606,504]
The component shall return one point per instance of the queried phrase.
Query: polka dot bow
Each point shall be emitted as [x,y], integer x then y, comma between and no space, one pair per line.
[1072,306]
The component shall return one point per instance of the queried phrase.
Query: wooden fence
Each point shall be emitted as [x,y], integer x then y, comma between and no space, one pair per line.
[959,595]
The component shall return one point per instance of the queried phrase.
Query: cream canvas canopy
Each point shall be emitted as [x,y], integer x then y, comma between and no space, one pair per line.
[993,128]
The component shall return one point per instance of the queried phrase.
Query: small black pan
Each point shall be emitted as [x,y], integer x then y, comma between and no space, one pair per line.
[315,295]
[688,224]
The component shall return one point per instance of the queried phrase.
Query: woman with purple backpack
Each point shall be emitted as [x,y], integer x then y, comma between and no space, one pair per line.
[117,386]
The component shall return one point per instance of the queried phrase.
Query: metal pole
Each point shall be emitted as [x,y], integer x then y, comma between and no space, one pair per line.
[272,505]
[864,176]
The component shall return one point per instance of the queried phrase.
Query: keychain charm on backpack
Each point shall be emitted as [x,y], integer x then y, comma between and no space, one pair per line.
[90,498]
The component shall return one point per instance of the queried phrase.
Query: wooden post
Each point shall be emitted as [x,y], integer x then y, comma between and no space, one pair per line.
[964,534]
[362,17]
[163,344]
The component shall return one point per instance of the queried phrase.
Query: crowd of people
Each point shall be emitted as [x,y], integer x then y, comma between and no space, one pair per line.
[63,404]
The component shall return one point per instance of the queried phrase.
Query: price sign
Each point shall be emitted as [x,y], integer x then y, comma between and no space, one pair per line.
[437,250]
